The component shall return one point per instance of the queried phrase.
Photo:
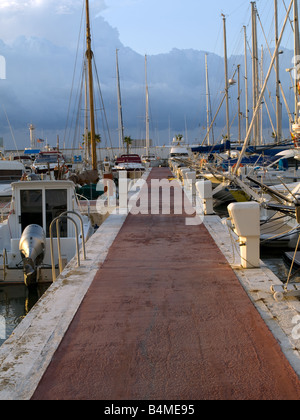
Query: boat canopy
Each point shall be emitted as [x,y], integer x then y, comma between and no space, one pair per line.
[218,148]
[129,159]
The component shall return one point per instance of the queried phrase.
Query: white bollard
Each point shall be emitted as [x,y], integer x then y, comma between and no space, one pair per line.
[245,218]
[205,192]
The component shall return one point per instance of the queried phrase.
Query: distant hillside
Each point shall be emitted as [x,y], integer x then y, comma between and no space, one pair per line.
[39,82]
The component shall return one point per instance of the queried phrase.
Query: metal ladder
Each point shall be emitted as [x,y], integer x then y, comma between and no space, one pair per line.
[57,220]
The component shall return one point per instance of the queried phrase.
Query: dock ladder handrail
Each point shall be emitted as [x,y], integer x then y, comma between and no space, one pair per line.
[86,199]
[57,220]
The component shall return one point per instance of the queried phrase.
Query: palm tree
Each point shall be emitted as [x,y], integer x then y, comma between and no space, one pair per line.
[128,141]
[97,138]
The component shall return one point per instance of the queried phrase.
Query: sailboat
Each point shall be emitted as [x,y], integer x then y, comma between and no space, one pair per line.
[26,238]
[89,176]
[131,163]
[149,159]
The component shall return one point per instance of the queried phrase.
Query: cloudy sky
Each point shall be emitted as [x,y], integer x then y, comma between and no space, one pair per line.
[146,26]
[39,38]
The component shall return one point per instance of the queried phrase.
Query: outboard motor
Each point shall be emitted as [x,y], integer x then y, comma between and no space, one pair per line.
[32,246]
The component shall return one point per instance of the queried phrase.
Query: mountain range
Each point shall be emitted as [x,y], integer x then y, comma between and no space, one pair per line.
[43,81]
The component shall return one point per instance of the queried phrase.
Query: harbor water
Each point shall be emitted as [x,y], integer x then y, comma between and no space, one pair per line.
[275,262]
[15,303]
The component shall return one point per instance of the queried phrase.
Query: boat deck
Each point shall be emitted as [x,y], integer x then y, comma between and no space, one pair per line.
[166,318]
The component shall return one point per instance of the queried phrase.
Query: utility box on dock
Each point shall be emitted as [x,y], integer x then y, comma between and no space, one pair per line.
[245,218]
[205,192]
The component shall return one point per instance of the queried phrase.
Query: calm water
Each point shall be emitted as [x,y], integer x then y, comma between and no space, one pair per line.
[274,260]
[15,303]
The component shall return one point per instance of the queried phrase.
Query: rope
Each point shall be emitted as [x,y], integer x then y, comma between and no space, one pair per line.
[281,235]
[293,262]
[74,73]
[234,246]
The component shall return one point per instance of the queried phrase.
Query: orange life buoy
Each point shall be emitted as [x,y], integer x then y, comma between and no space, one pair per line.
[234,166]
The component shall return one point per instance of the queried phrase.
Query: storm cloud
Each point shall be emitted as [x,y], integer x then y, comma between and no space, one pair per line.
[42,84]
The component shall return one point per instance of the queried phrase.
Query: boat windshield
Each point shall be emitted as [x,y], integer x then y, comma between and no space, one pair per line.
[33,207]
[49,159]
[179,155]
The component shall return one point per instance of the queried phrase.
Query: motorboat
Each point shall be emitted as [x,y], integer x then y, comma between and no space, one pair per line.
[28,239]
[179,150]
[51,163]
[131,163]
[26,160]
[10,171]
[148,158]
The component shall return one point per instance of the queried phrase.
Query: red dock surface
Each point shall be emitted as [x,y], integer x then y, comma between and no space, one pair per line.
[167,319]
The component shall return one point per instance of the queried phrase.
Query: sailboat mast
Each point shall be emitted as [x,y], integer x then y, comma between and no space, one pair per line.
[239,105]
[238,164]
[86,116]
[256,127]
[278,103]
[246,80]
[261,83]
[120,113]
[226,79]
[207,101]
[147,111]
[89,55]
[297,53]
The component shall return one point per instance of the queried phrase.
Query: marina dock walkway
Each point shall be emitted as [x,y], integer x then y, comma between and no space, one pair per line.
[166,318]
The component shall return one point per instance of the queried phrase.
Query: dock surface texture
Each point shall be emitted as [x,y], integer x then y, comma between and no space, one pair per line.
[166,318]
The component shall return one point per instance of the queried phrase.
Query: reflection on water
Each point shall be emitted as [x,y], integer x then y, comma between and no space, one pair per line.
[15,303]
[275,262]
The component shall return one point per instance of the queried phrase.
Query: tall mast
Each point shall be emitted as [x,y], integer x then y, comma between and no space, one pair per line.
[226,79]
[239,104]
[256,127]
[147,110]
[297,53]
[120,113]
[263,90]
[207,101]
[246,80]
[87,153]
[261,85]
[278,103]
[89,55]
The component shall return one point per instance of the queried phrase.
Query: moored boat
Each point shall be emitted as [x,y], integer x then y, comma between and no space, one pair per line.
[131,163]
[34,206]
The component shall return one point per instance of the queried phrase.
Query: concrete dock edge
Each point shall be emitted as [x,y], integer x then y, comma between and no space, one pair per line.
[28,352]
[25,356]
